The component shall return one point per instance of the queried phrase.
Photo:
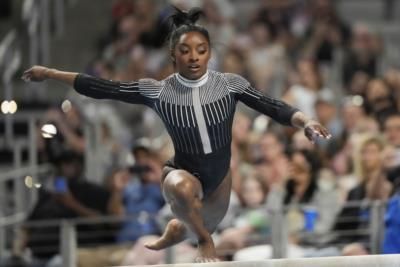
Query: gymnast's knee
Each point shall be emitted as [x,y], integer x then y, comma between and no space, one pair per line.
[181,185]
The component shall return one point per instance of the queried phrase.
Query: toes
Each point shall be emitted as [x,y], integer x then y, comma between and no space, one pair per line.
[205,260]
[151,246]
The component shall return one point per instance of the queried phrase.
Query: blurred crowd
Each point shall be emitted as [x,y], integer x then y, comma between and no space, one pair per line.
[300,51]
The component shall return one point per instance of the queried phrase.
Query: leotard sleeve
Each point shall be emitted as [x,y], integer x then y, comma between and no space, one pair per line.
[143,91]
[276,109]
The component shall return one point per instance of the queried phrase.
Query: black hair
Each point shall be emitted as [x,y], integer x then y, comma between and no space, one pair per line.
[182,22]
[315,165]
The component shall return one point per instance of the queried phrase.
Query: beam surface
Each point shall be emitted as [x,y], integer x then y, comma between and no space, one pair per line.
[349,261]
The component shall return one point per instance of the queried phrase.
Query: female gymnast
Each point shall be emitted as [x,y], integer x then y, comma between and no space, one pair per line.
[197,106]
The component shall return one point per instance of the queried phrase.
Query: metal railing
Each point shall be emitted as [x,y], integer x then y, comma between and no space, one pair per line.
[68,234]
[23,198]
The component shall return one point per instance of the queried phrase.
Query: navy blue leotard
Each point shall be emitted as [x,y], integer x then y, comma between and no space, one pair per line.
[197,114]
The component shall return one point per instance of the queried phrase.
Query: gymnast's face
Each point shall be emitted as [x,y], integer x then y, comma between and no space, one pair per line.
[191,55]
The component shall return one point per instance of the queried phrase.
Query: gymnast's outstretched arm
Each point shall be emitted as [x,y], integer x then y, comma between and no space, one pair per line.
[275,108]
[98,88]
[40,73]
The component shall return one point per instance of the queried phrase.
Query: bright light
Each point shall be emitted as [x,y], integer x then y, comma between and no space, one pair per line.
[49,130]
[12,107]
[28,181]
[260,124]
[5,107]
[357,100]
[66,106]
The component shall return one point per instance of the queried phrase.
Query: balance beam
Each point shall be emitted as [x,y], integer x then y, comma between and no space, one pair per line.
[392,260]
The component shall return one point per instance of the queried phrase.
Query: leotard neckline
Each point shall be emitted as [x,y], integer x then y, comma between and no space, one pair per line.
[192,83]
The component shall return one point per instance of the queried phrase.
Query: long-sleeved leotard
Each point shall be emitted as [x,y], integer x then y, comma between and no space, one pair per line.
[198,115]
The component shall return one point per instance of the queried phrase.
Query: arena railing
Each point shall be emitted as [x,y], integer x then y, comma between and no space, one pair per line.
[278,240]
[16,199]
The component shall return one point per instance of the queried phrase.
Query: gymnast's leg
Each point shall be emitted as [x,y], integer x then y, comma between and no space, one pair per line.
[184,193]
[175,231]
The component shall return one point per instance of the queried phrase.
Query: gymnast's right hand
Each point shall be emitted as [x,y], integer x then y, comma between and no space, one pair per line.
[36,74]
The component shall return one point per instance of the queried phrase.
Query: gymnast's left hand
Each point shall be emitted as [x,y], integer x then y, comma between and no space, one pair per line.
[314,129]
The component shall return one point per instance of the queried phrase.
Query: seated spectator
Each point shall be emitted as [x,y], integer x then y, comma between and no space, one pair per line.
[251,224]
[308,188]
[379,100]
[69,196]
[392,135]
[326,113]
[361,55]
[373,185]
[326,32]
[69,134]
[142,197]
[218,16]
[315,195]
[265,57]
[304,94]
[352,112]
[392,78]
[142,200]
[358,83]
[273,163]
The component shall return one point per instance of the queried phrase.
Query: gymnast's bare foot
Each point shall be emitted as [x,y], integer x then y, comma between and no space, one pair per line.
[207,252]
[174,233]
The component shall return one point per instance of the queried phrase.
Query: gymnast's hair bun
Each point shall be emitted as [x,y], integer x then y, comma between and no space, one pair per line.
[179,17]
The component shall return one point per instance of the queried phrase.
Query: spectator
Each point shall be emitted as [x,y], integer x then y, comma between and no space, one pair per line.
[327,31]
[154,29]
[361,55]
[251,224]
[302,187]
[392,78]
[265,56]
[373,185]
[326,112]
[304,94]
[273,164]
[301,143]
[142,200]
[218,18]
[142,197]
[69,196]
[69,135]
[392,134]
[233,62]
[379,100]
[305,187]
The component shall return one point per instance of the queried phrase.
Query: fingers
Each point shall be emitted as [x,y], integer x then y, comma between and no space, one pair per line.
[27,75]
[320,131]
[315,131]
[323,132]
